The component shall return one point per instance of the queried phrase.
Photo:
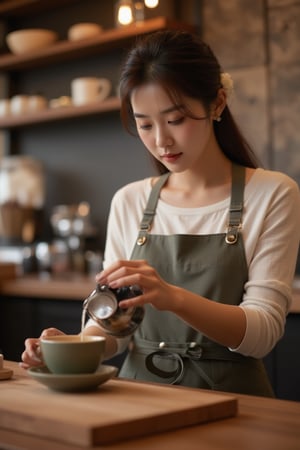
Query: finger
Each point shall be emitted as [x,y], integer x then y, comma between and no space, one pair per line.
[23,365]
[32,353]
[50,332]
[32,349]
[132,302]
[115,268]
[31,359]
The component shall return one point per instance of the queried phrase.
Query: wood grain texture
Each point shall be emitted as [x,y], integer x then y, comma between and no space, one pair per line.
[118,410]
[261,423]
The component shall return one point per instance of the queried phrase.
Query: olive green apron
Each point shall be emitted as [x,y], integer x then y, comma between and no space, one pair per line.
[164,348]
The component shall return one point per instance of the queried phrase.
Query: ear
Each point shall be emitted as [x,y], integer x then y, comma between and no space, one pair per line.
[218,105]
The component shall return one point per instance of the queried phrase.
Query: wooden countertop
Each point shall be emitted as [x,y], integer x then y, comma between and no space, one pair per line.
[260,423]
[70,286]
[76,287]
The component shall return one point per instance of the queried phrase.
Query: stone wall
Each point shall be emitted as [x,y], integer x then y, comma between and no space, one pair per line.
[258,42]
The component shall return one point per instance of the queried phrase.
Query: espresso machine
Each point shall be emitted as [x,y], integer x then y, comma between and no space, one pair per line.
[75,240]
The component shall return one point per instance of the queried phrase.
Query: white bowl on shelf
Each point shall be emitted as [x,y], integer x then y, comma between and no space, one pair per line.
[84,30]
[30,39]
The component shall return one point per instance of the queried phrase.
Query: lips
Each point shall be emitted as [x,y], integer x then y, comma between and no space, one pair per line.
[171,157]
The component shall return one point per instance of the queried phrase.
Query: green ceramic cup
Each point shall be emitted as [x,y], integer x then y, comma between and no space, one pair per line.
[72,354]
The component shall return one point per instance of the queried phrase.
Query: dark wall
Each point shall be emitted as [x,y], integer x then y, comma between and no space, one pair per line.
[88,158]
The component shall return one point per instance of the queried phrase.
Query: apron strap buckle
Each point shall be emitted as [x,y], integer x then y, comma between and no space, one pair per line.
[232,234]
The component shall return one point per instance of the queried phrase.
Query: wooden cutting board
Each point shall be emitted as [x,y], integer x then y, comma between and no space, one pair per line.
[117,410]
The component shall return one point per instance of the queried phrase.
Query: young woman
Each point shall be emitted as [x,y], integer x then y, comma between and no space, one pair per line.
[212,242]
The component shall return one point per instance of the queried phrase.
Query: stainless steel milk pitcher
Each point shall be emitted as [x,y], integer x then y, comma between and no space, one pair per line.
[102,305]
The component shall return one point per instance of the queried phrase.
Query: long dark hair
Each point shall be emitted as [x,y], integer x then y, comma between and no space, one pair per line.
[183,65]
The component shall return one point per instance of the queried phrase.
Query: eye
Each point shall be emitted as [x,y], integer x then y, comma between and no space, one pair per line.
[176,121]
[142,124]
[145,126]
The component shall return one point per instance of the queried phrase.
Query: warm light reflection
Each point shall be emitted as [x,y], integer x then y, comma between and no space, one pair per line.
[128,11]
[83,209]
[151,3]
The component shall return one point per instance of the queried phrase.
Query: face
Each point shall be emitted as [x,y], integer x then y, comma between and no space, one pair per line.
[175,139]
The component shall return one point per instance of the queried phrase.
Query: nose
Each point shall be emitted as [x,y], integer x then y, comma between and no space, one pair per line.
[162,138]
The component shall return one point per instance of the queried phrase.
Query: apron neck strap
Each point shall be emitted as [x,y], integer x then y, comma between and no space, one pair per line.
[235,210]
[236,203]
[149,211]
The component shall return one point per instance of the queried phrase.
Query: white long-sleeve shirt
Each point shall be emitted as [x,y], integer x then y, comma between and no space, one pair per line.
[271,233]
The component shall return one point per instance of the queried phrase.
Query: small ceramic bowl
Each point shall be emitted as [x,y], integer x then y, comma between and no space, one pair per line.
[30,39]
[83,30]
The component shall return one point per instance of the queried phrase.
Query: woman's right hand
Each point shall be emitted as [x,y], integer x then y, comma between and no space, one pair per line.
[32,353]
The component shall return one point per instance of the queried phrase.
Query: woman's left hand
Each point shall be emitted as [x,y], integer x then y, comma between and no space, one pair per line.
[138,272]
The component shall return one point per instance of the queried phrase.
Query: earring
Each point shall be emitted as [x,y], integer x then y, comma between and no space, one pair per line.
[218,119]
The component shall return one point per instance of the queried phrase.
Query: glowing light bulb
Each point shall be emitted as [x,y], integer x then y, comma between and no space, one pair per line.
[151,3]
[125,16]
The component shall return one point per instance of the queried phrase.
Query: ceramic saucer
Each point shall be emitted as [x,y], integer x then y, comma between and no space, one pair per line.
[73,382]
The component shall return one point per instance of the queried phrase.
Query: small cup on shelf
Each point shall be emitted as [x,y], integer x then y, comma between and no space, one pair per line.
[89,89]
[4,107]
[19,104]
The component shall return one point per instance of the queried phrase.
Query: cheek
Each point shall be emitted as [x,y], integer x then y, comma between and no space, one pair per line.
[196,131]
[190,129]
[183,135]
[146,139]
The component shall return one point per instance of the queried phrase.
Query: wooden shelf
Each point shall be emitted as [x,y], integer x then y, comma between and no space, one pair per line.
[116,38]
[61,113]
[67,50]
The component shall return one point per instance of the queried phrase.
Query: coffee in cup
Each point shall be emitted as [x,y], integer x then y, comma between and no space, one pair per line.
[72,354]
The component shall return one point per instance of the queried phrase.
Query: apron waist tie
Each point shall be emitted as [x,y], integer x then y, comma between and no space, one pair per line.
[177,374]
[178,352]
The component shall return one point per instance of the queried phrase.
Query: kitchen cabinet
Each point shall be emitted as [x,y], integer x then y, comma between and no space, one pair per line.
[283,363]
[22,317]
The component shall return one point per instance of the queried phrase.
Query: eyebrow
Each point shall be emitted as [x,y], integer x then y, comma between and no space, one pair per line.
[165,111]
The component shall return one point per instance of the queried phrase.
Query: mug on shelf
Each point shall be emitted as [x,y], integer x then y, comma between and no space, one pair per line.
[89,89]
[36,103]
[4,107]
[19,104]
